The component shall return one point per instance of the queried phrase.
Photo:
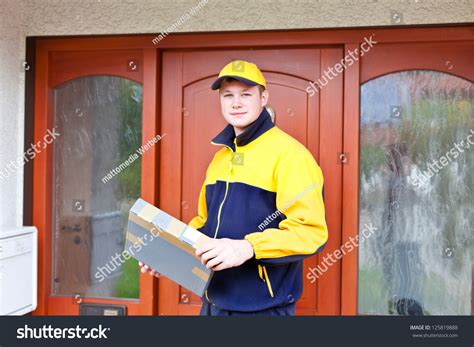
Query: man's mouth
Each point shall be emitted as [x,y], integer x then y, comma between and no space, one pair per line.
[238,113]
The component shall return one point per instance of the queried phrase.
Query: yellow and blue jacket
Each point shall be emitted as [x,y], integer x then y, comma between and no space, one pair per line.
[263,186]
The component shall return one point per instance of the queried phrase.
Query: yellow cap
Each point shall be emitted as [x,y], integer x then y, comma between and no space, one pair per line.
[243,71]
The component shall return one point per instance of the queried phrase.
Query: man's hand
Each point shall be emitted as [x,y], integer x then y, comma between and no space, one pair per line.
[220,254]
[144,268]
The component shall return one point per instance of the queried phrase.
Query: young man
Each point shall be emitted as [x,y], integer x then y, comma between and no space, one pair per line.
[261,203]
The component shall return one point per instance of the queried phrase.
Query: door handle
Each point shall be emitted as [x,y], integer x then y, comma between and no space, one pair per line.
[76,228]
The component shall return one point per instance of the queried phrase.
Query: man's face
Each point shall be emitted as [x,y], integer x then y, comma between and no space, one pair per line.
[241,104]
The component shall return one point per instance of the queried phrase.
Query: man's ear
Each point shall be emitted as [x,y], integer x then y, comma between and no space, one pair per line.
[264,98]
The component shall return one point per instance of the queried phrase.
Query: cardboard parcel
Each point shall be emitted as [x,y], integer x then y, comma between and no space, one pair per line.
[167,245]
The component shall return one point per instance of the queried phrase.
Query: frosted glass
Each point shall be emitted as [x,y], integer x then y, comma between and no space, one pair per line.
[100,122]
[419,261]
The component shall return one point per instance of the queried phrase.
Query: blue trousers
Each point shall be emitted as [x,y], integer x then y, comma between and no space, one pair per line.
[208,309]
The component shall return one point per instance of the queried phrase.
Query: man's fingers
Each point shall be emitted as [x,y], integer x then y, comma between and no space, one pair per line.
[221,266]
[213,262]
[207,246]
[145,268]
[155,273]
[209,255]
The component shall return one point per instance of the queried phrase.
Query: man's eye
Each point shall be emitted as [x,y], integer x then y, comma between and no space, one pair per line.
[227,95]
[247,94]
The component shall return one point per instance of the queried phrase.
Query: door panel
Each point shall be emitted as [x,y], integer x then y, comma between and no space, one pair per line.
[411,180]
[451,57]
[95,102]
[419,261]
[99,119]
[200,119]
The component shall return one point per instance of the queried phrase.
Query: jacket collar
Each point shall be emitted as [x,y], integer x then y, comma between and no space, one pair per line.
[262,124]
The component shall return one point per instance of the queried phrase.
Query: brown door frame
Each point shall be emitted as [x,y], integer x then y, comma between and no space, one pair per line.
[353,75]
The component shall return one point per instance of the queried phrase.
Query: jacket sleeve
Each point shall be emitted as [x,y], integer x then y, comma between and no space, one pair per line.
[299,196]
[200,220]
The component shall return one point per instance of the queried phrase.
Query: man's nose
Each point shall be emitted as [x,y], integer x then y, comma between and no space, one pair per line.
[236,103]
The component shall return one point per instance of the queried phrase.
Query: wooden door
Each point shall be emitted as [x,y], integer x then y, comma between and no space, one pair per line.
[394,79]
[191,118]
[94,99]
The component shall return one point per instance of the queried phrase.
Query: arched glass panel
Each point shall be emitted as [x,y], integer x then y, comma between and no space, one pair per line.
[416,189]
[97,177]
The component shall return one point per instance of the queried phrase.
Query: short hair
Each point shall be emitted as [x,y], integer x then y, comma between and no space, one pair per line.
[231,79]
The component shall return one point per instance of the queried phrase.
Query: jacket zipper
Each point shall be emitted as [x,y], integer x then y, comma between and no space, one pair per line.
[225,195]
[262,271]
[223,200]
[226,188]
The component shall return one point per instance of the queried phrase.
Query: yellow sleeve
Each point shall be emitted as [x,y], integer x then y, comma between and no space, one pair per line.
[299,197]
[199,221]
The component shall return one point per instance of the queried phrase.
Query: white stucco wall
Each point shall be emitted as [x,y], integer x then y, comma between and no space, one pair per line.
[12,42]
[61,17]
[21,18]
